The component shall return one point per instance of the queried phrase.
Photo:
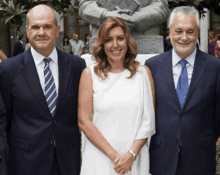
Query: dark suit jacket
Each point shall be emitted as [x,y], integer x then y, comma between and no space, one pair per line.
[3,140]
[193,128]
[18,48]
[32,130]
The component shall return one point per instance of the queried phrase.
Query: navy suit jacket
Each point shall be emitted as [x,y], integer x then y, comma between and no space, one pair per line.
[3,140]
[18,48]
[31,128]
[193,128]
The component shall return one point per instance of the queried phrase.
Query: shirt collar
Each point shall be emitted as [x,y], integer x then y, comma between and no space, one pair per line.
[190,59]
[38,58]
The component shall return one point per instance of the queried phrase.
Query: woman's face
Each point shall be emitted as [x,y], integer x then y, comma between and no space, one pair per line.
[65,39]
[116,46]
[88,36]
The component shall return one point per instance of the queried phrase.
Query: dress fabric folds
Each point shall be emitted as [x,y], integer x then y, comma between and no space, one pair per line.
[123,112]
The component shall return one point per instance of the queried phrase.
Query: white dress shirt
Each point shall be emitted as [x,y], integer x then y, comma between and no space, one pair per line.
[39,63]
[177,68]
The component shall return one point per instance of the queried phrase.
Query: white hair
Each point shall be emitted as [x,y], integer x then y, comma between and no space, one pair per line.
[185,10]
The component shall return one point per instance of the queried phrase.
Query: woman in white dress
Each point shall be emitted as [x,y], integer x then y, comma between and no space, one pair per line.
[116,106]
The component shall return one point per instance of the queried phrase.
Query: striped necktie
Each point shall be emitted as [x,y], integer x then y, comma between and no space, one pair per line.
[182,86]
[50,88]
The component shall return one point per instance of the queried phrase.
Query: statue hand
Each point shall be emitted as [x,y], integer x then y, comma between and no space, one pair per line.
[130,20]
[114,13]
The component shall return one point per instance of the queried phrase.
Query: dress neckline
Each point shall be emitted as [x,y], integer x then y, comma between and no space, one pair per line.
[111,73]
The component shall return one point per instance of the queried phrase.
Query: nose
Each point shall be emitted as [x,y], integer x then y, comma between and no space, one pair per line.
[184,36]
[41,31]
[115,43]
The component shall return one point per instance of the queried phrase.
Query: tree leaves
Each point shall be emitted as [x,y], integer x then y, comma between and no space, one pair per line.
[14,11]
[199,4]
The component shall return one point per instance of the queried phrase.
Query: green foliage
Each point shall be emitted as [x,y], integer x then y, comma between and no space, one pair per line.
[199,4]
[14,11]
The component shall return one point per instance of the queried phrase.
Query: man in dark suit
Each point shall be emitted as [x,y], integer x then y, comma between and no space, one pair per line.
[187,84]
[19,46]
[3,123]
[40,89]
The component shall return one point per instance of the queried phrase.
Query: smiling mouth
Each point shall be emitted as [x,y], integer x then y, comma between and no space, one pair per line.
[41,40]
[116,51]
[184,43]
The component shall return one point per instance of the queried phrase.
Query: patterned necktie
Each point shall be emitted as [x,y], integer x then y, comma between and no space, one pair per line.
[50,88]
[182,86]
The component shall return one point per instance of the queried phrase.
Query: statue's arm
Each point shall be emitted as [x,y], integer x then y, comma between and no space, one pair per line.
[90,12]
[153,14]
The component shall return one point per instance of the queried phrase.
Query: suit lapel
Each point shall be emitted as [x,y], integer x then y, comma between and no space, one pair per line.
[198,71]
[167,71]
[64,75]
[30,75]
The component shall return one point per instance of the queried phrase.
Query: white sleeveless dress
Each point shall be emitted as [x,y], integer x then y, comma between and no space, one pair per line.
[123,112]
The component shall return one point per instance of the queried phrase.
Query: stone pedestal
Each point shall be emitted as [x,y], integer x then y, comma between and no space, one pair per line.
[149,44]
[146,44]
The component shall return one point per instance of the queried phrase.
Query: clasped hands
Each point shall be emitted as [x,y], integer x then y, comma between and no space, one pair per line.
[123,163]
[124,15]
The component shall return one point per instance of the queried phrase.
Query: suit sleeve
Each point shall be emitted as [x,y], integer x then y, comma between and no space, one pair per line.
[3,138]
[217,108]
[5,90]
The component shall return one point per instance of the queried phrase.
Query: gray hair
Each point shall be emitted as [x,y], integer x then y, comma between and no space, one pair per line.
[185,10]
[54,14]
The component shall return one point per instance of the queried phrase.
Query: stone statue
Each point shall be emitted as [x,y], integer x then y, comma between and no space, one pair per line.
[142,16]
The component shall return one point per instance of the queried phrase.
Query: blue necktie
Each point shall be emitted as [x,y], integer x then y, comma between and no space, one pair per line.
[182,86]
[50,88]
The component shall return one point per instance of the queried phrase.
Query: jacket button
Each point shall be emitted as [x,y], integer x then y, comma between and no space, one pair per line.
[51,142]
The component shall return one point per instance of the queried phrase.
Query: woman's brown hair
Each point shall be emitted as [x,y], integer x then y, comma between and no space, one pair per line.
[103,66]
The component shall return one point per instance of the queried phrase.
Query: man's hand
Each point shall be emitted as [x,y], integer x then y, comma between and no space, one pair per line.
[123,163]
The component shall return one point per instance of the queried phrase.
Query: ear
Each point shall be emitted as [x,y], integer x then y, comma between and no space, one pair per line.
[58,31]
[27,31]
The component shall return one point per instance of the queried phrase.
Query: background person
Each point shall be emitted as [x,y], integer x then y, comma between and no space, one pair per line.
[86,45]
[19,46]
[217,46]
[187,84]
[77,46]
[40,92]
[115,110]
[218,56]
[66,47]
[211,43]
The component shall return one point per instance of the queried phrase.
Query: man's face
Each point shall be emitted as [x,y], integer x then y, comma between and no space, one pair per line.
[73,37]
[76,37]
[184,33]
[42,30]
